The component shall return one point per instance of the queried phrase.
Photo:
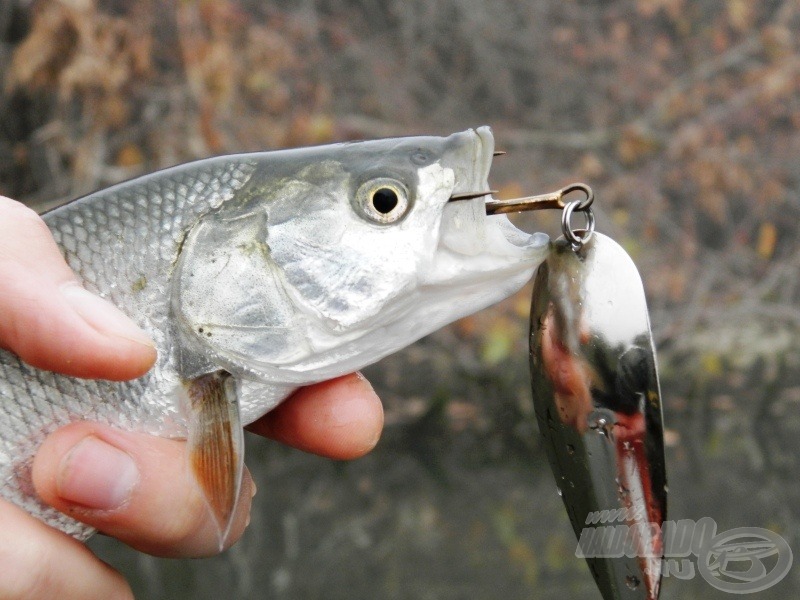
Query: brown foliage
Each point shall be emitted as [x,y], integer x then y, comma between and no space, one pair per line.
[683,115]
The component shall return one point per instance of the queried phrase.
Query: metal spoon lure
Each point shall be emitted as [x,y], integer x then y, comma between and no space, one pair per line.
[598,404]
[597,398]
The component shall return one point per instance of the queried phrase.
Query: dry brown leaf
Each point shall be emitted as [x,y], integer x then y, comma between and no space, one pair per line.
[714,204]
[635,145]
[741,14]
[130,155]
[590,166]
[767,240]
[51,42]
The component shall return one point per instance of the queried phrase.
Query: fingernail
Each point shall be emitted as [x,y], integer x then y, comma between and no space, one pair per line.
[96,475]
[103,316]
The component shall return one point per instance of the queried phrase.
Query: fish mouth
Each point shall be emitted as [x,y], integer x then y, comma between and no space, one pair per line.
[475,247]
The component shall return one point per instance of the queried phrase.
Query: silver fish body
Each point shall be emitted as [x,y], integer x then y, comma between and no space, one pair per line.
[279,268]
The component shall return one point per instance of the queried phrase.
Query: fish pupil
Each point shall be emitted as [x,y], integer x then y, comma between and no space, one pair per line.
[384,200]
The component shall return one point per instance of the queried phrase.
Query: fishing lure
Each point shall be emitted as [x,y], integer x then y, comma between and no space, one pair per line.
[598,404]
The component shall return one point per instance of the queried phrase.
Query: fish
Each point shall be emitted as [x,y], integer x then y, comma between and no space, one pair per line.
[256,274]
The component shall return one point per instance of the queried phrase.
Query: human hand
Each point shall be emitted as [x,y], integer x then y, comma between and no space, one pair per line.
[132,486]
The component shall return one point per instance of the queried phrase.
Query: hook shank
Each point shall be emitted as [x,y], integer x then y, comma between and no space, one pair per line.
[552,200]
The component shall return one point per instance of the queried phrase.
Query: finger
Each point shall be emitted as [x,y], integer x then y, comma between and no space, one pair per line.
[38,562]
[134,487]
[341,418]
[52,322]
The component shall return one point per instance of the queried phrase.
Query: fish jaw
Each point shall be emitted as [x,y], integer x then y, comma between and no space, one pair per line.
[480,260]
[299,288]
[467,262]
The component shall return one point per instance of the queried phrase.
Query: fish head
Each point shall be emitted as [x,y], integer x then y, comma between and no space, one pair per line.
[330,258]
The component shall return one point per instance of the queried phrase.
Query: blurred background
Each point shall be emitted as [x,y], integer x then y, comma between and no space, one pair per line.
[683,115]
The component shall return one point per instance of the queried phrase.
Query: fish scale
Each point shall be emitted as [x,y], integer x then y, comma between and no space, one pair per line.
[110,240]
[258,273]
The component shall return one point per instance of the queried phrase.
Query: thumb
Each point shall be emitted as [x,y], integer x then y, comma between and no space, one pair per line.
[48,319]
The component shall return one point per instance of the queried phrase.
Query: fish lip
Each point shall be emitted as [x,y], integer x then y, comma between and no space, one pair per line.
[475,178]
[479,241]
[485,155]
[485,158]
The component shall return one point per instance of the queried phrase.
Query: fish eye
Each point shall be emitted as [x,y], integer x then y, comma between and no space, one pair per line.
[383,200]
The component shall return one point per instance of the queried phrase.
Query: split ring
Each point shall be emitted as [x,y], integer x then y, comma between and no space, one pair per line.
[577,237]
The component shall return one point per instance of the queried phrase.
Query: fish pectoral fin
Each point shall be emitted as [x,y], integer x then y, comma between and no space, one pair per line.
[216,445]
